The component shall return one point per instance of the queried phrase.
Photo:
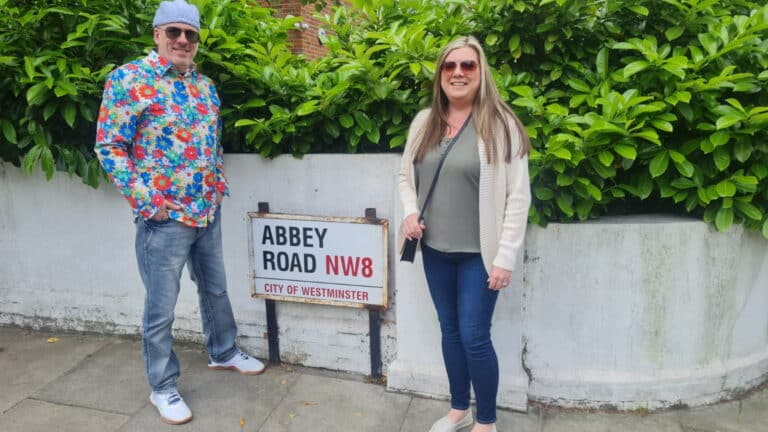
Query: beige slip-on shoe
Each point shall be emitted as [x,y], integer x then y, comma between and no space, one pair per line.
[444,424]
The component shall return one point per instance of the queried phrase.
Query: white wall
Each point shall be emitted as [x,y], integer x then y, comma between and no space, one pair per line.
[67,256]
[645,311]
[629,312]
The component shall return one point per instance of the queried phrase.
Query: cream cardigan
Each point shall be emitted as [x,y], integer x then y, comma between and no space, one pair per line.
[504,198]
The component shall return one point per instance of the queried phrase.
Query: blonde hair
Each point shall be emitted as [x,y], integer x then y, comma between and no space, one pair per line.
[489,112]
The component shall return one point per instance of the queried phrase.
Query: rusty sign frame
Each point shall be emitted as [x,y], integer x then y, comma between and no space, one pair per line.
[384,223]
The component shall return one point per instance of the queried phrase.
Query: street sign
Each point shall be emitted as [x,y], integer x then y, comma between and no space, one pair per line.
[316,259]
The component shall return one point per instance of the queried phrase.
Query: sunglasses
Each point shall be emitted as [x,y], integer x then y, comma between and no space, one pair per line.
[174,33]
[466,66]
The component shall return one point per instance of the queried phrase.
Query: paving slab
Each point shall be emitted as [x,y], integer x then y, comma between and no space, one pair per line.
[194,365]
[575,421]
[423,412]
[514,421]
[323,404]
[36,416]
[112,379]
[223,401]
[30,360]
[754,410]
[736,416]
[89,383]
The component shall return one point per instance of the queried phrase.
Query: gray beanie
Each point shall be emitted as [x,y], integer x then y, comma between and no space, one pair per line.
[177,11]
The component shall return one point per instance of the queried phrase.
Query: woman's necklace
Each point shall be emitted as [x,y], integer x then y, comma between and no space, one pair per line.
[454,126]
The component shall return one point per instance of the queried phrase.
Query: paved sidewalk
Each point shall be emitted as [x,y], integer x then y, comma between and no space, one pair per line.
[90,383]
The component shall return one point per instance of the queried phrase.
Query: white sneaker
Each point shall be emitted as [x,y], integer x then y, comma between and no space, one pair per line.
[172,408]
[241,362]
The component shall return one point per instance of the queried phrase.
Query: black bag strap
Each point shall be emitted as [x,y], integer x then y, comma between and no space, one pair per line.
[440,166]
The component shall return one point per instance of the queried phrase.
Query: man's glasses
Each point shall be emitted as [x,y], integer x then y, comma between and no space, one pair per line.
[174,33]
[466,66]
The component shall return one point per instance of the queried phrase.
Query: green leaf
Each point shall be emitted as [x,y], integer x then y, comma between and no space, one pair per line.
[648,134]
[69,111]
[561,153]
[724,219]
[564,180]
[31,158]
[47,163]
[640,10]
[543,193]
[346,120]
[29,68]
[255,103]
[685,168]
[601,63]
[742,150]
[662,125]
[635,67]
[644,187]
[673,33]
[659,164]
[514,43]
[722,159]
[36,94]
[49,109]
[565,203]
[606,157]
[625,151]
[594,192]
[725,189]
[373,135]
[397,141]
[579,85]
[748,210]
[765,228]
[246,122]
[683,183]
[381,89]
[703,196]
[727,121]
[709,42]
[332,128]
[720,138]
[557,109]
[9,132]
[677,156]
[363,120]
[307,108]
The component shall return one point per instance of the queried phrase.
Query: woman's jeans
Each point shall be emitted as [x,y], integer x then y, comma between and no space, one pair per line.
[162,249]
[458,283]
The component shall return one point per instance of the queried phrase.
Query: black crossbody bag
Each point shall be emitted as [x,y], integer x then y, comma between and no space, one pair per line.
[408,252]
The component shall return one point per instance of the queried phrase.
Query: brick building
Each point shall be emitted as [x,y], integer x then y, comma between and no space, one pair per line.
[303,40]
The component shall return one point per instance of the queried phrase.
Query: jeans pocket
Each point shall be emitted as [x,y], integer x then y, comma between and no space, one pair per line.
[153,223]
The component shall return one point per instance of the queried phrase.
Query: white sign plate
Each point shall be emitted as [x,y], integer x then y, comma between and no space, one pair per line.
[315,259]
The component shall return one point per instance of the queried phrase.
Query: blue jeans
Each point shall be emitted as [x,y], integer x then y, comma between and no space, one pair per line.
[162,249]
[458,283]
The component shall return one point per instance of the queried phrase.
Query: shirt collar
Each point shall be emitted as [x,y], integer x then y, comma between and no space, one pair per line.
[162,66]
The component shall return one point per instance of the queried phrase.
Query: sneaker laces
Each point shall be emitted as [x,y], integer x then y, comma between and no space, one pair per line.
[173,398]
[244,356]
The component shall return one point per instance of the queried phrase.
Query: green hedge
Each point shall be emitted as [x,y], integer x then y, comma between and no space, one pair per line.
[633,106]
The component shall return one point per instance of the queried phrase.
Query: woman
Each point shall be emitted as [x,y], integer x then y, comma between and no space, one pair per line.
[475,221]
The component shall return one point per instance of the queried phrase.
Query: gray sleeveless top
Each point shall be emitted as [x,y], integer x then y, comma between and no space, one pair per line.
[453,216]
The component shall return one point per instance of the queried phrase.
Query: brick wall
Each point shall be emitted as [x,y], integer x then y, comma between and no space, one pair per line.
[304,40]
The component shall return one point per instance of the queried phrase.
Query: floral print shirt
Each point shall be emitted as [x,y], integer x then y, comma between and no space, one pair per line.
[158,139]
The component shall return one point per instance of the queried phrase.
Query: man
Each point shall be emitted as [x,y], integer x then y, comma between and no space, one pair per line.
[158,139]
